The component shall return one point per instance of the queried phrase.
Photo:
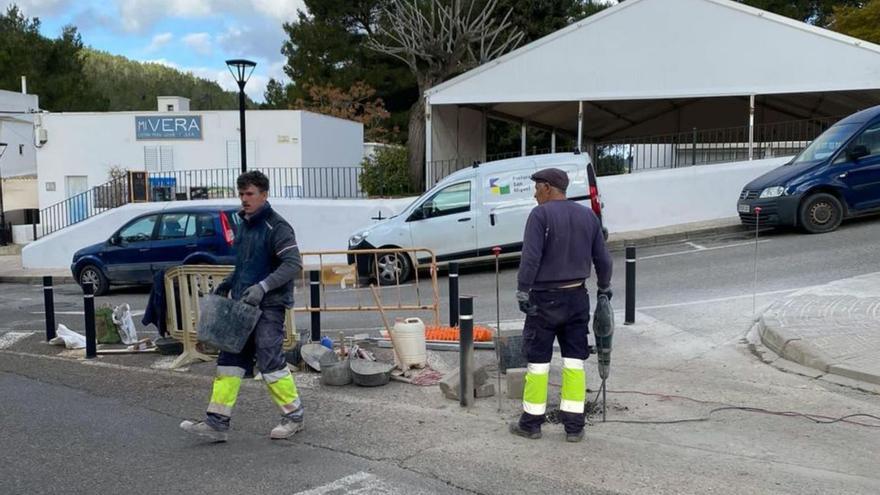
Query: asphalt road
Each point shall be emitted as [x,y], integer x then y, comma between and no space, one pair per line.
[60,440]
[670,276]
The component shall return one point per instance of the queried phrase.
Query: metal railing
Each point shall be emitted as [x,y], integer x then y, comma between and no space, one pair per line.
[287,182]
[706,147]
[284,182]
[75,209]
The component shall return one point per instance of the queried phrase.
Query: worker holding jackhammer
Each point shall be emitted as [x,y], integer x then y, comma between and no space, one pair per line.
[267,261]
[562,239]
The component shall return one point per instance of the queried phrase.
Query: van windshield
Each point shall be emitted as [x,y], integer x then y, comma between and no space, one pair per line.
[827,143]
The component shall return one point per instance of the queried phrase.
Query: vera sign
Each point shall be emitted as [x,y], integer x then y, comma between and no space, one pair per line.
[171,127]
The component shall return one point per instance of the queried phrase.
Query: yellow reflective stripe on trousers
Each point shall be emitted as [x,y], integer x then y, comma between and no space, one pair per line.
[574,385]
[535,388]
[224,394]
[284,393]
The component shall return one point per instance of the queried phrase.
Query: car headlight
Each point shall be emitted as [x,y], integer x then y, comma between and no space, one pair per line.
[772,192]
[358,238]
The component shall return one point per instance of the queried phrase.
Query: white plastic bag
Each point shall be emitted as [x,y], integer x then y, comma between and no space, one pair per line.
[68,338]
[125,324]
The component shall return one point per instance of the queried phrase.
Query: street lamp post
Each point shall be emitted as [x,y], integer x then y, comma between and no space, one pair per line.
[241,70]
[2,210]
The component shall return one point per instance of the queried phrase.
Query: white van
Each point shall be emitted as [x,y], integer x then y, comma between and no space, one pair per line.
[470,212]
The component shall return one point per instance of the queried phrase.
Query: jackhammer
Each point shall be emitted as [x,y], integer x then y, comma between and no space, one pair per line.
[603,330]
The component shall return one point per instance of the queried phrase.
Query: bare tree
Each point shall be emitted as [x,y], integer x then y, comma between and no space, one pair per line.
[437,39]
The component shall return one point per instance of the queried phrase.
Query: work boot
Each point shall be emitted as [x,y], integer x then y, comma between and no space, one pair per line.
[516,429]
[204,430]
[574,437]
[286,429]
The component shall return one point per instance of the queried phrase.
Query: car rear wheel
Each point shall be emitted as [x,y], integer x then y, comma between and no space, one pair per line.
[91,274]
[391,268]
[820,213]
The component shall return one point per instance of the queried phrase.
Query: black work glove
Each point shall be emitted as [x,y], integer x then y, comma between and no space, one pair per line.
[524,304]
[253,295]
[605,292]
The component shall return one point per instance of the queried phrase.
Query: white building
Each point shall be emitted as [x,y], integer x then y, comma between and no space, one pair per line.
[80,149]
[17,131]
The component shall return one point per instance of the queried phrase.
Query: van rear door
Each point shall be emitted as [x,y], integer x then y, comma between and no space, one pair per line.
[505,200]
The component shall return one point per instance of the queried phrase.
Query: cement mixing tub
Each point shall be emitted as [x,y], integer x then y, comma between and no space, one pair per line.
[370,373]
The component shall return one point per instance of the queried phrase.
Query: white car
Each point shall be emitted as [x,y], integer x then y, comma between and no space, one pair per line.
[468,213]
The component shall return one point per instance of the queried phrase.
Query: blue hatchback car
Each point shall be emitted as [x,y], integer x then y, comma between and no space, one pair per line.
[156,241]
[837,176]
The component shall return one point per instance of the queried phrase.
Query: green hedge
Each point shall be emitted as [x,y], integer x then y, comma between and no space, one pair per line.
[386,173]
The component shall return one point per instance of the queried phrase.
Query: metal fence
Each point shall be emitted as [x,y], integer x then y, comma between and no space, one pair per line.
[289,182]
[705,147]
[284,182]
[85,205]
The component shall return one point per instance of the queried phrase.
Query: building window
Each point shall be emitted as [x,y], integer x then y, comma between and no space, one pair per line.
[158,158]
[170,108]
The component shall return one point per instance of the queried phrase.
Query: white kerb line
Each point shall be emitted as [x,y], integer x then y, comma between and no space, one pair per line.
[755,283]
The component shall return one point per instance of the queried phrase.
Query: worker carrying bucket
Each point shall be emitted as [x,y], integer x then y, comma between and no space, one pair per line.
[266,264]
[562,239]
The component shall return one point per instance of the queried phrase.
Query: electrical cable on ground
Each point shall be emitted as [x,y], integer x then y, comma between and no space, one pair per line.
[815,418]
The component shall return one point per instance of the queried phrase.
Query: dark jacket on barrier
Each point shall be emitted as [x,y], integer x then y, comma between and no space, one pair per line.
[266,254]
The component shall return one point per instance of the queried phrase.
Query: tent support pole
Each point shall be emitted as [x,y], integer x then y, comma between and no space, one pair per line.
[580,139]
[751,127]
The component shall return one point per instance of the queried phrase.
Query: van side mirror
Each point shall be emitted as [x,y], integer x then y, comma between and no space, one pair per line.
[857,151]
[418,214]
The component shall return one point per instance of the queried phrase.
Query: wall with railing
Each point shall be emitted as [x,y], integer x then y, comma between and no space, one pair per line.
[284,183]
[320,225]
[675,150]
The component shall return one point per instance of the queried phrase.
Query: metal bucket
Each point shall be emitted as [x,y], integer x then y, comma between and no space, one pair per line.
[370,373]
[509,347]
[336,374]
[225,323]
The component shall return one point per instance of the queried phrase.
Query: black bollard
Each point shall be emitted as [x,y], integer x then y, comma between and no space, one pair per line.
[315,303]
[453,294]
[89,307]
[630,316]
[466,352]
[49,307]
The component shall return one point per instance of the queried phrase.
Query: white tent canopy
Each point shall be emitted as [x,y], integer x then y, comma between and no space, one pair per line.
[656,66]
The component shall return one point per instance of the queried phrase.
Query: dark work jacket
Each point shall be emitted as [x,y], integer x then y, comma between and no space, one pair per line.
[267,252]
[561,240]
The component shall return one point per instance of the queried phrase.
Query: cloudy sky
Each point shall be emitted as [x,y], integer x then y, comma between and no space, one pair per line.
[192,35]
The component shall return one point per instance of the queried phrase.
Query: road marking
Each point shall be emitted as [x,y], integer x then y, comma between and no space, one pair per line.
[695,246]
[360,483]
[717,299]
[9,339]
[703,250]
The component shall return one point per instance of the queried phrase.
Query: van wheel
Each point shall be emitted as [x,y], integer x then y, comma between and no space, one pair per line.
[821,213]
[391,268]
[91,274]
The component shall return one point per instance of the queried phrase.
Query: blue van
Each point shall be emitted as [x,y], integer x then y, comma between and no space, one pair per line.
[836,177]
[156,241]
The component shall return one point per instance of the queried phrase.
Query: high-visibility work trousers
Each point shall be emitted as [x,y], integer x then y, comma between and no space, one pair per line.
[264,347]
[562,315]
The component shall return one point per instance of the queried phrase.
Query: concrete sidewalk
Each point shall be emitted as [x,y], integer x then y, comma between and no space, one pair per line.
[12,272]
[833,328]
